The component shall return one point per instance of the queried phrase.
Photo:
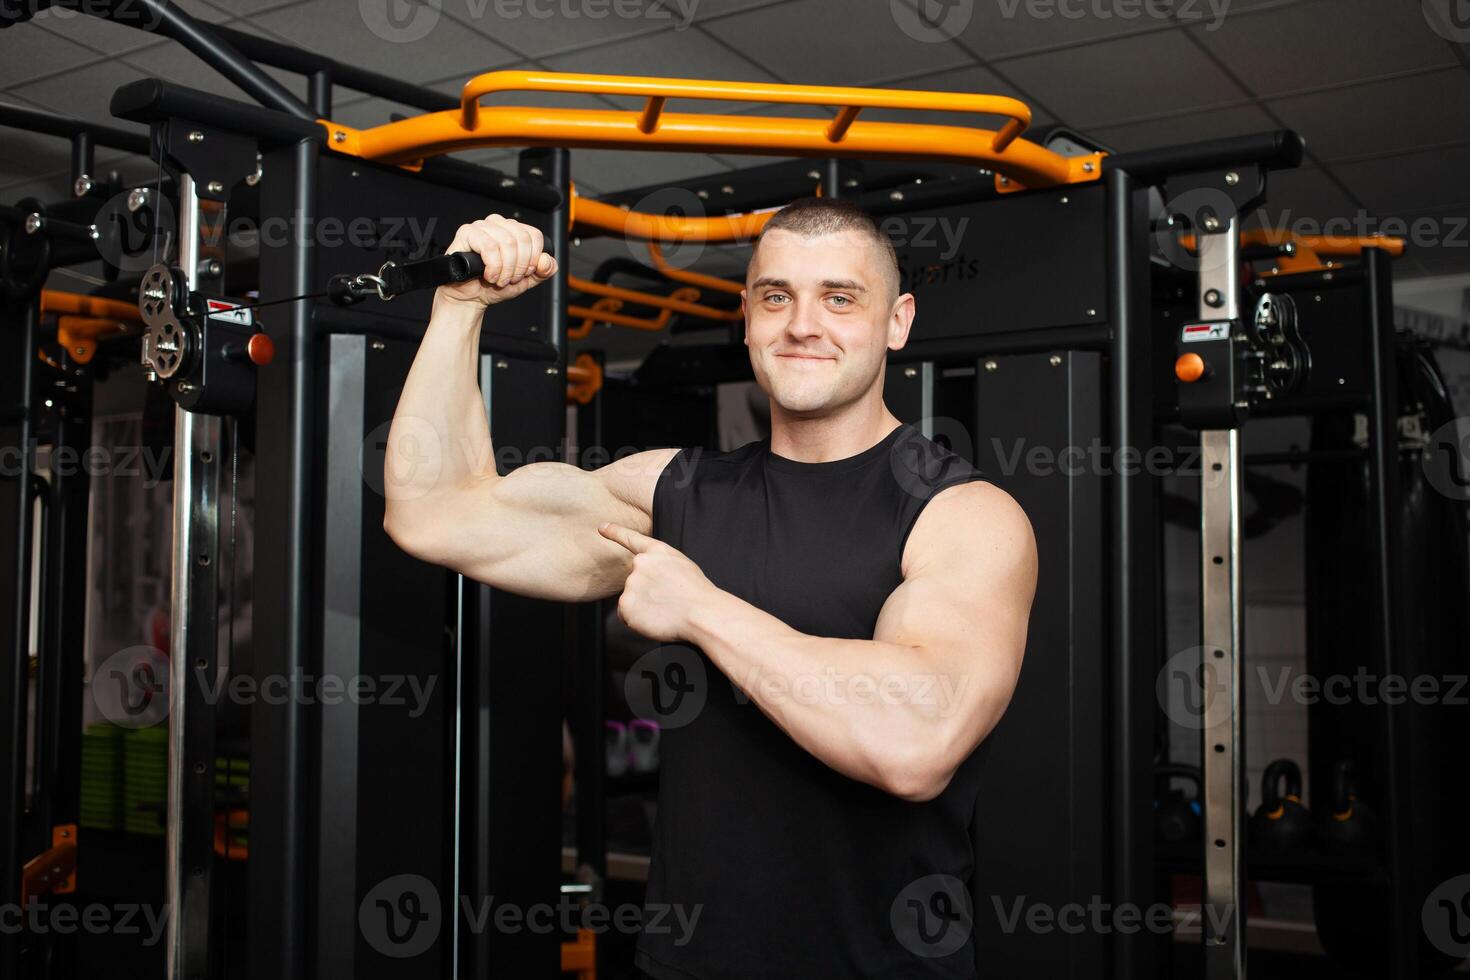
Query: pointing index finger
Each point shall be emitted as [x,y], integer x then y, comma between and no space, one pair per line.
[626,536]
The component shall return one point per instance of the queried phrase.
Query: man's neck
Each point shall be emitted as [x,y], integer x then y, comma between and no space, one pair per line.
[822,440]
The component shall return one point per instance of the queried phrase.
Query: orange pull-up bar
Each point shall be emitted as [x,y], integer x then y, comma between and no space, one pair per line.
[409,141]
[1313,252]
[84,320]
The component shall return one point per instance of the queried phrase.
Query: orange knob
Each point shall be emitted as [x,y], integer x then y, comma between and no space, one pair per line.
[1189,368]
[261,349]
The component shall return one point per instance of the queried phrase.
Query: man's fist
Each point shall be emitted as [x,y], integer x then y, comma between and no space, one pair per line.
[513,256]
[663,588]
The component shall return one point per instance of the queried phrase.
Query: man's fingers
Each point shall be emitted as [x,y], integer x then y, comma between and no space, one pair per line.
[627,537]
[511,250]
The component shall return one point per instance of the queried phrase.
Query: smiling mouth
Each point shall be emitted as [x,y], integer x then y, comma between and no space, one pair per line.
[805,357]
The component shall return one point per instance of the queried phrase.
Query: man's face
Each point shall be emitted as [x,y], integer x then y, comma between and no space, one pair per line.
[819,319]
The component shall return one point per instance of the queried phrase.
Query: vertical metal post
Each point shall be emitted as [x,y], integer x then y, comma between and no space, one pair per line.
[590,672]
[286,588]
[1130,404]
[1222,652]
[337,761]
[193,640]
[18,367]
[1384,503]
[832,177]
[83,156]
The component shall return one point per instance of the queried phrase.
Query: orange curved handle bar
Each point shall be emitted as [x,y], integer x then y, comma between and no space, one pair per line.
[1334,245]
[606,311]
[1021,162]
[675,304]
[638,224]
[584,379]
[56,301]
[80,334]
[659,90]
[692,278]
[1314,253]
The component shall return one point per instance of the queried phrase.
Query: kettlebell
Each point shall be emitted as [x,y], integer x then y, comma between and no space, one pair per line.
[1348,825]
[1281,823]
[1176,816]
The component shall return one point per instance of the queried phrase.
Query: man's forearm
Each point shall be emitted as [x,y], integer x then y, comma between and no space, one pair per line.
[875,711]
[440,437]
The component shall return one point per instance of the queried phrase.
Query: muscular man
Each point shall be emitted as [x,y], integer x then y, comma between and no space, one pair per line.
[844,606]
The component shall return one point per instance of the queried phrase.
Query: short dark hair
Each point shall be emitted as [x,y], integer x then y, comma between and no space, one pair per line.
[810,217]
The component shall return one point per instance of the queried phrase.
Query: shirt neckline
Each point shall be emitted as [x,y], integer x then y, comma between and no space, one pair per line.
[784,465]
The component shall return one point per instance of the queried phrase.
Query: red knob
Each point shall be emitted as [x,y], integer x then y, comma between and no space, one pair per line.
[260,349]
[1189,368]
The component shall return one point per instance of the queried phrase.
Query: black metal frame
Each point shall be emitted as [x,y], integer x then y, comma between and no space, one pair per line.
[292,497]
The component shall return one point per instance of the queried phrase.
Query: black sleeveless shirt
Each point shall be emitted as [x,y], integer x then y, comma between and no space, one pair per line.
[766,862]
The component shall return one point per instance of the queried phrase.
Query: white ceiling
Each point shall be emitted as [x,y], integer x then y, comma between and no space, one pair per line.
[1383,100]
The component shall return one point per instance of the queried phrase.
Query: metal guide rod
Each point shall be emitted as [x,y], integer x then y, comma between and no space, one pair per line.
[1222,655]
[194,604]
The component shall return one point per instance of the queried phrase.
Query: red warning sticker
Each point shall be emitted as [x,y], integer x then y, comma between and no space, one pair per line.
[220,309]
[1196,332]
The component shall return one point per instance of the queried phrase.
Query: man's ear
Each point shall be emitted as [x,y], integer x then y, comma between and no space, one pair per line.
[900,321]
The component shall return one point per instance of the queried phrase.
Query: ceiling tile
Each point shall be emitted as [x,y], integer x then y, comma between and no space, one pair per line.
[429,45]
[1325,42]
[703,11]
[175,63]
[535,28]
[972,79]
[1190,127]
[1379,117]
[1437,239]
[64,93]
[1410,182]
[1006,28]
[690,54]
[32,52]
[614,170]
[24,156]
[97,33]
[796,42]
[1297,196]
[1111,82]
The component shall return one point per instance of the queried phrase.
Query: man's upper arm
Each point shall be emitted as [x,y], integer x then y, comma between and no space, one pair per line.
[534,531]
[969,569]
[632,480]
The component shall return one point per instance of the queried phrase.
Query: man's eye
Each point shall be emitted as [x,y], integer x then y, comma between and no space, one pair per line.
[842,300]
[776,297]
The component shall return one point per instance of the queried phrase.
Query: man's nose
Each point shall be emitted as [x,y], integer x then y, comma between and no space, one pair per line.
[805,321]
